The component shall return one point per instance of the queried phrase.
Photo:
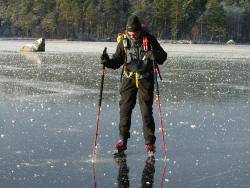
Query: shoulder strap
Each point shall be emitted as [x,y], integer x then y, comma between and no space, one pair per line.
[123,37]
[120,37]
[125,43]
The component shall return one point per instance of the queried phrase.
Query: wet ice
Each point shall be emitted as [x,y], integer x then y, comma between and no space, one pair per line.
[48,112]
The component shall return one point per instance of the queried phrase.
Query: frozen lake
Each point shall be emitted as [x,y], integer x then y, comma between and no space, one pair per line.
[48,114]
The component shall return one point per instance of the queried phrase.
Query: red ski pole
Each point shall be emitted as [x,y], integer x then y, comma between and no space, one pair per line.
[99,109]
[159,110]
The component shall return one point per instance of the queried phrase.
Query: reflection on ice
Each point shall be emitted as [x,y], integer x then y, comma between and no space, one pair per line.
[33,57]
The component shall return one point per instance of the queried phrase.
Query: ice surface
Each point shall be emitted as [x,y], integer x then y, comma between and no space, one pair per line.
[48,114]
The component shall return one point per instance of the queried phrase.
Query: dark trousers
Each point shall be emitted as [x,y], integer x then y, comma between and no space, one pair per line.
[128,93]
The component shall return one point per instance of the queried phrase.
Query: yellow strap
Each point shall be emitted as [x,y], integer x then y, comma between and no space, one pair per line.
[137,79]
[130,74]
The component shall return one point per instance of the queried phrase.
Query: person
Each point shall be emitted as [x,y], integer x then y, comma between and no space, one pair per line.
[147,177]
[136,51]
[123,172]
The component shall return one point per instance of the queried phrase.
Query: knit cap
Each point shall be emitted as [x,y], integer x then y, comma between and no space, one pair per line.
[133,23]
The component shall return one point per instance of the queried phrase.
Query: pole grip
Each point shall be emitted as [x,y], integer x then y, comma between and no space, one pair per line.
[102,83]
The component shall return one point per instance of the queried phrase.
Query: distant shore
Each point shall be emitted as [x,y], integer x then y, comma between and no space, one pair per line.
[110,40]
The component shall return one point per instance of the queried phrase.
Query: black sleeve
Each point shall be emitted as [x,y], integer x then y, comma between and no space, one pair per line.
[159,54]
[118,58]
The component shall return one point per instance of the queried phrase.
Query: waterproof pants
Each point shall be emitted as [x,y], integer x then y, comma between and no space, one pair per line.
[128,93]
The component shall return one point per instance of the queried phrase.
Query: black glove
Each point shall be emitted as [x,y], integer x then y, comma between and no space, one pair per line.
[104,57]
[149,55]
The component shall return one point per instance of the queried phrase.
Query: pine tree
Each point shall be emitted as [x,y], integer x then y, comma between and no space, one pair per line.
[99,19]
[90,18]
[192,10]
[176,13]
[215,20]
[160,17]
[143,9]
[4,22]
[111,14]
[245,36]
[50,20]
[70,12]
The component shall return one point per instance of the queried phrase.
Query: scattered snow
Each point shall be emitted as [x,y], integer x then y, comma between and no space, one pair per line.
[47,109]
[193,126]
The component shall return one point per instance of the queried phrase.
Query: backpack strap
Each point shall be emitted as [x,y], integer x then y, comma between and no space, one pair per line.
[123,37]
[146,47]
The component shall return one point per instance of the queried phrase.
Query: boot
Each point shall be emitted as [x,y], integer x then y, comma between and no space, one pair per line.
[121,146]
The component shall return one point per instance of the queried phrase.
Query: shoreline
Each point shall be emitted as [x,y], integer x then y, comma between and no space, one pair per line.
[161,41]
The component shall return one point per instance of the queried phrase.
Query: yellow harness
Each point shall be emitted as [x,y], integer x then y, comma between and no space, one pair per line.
[122,36]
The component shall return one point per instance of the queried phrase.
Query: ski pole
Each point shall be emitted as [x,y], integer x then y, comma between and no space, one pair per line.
[99,107]
[159,109]
[94,176]
[163,175]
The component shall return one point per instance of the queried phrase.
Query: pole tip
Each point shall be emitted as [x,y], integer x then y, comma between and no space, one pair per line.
[93,158]
[105,50]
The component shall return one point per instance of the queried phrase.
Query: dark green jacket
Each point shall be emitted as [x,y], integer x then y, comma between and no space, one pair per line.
[120,55]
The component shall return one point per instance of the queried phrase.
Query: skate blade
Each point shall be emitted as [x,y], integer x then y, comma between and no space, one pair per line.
[119,154]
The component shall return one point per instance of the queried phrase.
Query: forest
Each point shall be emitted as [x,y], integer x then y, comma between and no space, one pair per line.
[101,20]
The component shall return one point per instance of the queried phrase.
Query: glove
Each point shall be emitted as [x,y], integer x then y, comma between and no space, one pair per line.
[104,57]
[149,55]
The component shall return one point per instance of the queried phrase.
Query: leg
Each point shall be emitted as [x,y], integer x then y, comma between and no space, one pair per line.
[146,97]
[128,93]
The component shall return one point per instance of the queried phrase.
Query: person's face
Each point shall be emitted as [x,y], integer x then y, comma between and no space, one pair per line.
[134,35]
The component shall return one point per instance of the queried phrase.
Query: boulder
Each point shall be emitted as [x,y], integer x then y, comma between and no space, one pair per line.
[37,46]
[230,42]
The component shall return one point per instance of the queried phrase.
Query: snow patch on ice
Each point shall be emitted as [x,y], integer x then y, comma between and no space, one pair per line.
[236,87]
[193,126]
[66,130]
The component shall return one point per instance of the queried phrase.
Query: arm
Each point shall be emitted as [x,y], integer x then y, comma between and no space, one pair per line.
[118,58]
[159,54]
